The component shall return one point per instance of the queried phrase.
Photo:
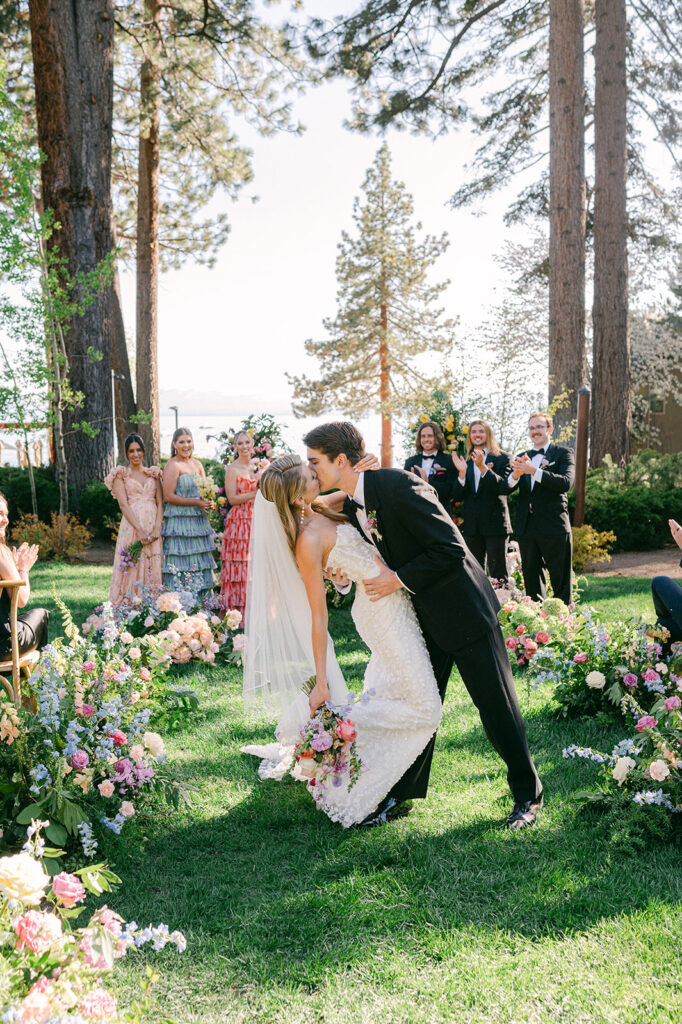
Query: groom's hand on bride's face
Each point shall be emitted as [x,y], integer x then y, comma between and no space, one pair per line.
[382,585]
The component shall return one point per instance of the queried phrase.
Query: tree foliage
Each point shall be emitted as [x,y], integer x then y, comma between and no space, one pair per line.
[387,318]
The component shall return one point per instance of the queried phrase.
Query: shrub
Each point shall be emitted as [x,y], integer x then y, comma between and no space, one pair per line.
[590,546]
[98,507]
[62,540]
[638,515]
[15,485]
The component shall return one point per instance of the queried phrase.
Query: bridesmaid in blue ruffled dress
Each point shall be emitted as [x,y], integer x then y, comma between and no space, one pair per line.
[188,538]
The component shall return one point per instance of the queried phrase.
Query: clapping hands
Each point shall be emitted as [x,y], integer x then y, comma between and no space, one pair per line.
[459,463]
[676,531]
[25,557]
[522,464]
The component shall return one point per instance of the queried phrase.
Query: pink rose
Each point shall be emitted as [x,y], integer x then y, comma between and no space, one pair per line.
[106,788]
[512,643]
[86,710]
[542,637]
[137,751]
[119,738]
[109,920]
[346,731]
[520,629]
[671,703]
[127,809]
[91,958]
[149,621]
[543,614]
[630,679]
[531,647]
[37,931]
[522,660]
[651,676]
[509,606]
[145,674]
[646,722]
[89,667]
[580,657]
[98,1005]
[135,653]
[80,760]
[68,889]
[123,766]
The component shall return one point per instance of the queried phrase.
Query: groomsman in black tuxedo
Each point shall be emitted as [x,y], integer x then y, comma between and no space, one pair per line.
[544,475]
[432,461]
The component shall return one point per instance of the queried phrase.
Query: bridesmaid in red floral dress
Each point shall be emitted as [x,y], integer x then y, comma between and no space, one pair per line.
[241,484]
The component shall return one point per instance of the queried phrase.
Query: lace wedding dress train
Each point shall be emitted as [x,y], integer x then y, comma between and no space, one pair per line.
[397,722]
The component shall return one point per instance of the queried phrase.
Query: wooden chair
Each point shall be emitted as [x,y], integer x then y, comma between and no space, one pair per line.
[18,664]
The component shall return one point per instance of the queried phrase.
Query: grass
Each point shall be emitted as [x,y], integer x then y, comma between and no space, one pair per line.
[443,916]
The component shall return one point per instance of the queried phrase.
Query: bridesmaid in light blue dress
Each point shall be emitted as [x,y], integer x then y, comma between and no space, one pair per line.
[188,538]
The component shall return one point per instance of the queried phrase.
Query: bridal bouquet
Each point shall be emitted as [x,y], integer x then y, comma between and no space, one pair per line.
[130,556]
[327,752]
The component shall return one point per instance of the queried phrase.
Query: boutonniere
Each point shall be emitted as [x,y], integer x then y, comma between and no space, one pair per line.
[544,463]
[373,524]
[438,470]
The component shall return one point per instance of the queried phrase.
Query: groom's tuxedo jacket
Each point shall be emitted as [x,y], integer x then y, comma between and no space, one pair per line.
[417,539]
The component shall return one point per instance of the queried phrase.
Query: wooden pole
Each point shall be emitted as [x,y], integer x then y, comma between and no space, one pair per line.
[582,434]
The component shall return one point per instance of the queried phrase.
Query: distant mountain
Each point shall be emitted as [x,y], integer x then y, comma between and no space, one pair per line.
[214,403]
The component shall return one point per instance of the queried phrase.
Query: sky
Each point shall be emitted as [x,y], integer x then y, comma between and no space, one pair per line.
[237,328]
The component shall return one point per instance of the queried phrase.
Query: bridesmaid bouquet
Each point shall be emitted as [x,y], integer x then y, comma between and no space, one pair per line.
[129,556]
[327,752]
[207,487]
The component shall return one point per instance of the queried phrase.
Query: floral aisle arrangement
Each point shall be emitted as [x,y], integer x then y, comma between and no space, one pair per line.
[645,768]
[529,626]
[327,753]
[594,664]
[84,755]
[52,972]
[185,629]
[267,434]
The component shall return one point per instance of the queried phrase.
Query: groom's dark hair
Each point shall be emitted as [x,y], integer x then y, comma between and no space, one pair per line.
[333,439]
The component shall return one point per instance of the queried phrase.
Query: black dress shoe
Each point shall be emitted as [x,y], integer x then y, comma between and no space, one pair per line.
[525,813]
[387,810]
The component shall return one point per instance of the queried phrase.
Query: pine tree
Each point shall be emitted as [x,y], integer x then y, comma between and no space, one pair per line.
[386,317]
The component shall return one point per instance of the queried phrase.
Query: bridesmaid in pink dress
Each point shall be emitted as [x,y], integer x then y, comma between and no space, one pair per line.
[137,490]
[241,484]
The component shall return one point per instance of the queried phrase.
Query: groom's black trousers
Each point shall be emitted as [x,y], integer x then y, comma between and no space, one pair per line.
[486,673]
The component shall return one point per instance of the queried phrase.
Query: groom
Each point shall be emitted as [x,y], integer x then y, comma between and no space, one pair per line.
[457,609]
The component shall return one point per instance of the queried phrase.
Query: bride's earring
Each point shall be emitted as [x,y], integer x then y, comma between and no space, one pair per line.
[302,513]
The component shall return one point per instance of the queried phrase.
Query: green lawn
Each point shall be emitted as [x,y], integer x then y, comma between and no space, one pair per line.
[443,916]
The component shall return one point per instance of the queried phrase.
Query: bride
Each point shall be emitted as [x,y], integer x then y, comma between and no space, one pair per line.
[296,537]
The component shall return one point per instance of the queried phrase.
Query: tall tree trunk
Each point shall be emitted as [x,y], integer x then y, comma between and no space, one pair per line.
[72,44]
[124,397]
[385,393]
[611,360]
[147,367]
[567,366]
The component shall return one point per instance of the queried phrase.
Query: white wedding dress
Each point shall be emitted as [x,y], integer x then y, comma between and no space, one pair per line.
[397,721]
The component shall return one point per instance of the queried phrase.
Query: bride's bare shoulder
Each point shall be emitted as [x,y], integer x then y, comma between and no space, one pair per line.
[316,539]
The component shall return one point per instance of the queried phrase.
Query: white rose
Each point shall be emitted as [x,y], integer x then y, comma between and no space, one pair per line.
[596,680]
[154,744]
[659,770]
[22,878]
[622,769]
[661,668]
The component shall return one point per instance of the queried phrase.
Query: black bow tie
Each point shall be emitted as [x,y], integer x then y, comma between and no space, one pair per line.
[536,451]
[425,456]
[354,503]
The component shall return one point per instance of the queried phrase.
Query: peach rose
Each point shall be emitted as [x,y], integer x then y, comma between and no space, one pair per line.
[658,770]
[22,878]
[127,809]
[106,788]
[346,731]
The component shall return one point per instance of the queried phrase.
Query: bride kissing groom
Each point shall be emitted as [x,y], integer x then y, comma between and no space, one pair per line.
[423,603]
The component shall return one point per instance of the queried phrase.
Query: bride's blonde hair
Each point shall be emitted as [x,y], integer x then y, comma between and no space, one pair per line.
[282,483]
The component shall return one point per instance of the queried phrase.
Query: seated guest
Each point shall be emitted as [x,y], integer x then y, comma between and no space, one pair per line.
[544,475]
[432,463]
[668,596]
[16,565]
[482,485]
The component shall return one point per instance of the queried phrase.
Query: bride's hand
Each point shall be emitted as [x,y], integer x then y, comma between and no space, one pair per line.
[318,696]
[366,463]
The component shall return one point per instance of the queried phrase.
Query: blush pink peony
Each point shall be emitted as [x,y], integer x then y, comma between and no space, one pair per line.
[346,731]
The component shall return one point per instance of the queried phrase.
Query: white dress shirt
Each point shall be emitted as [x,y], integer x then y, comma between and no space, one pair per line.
[535,477]
[427,463]
[477,473]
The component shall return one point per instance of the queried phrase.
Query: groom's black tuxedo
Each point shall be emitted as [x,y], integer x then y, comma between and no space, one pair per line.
[457,610]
